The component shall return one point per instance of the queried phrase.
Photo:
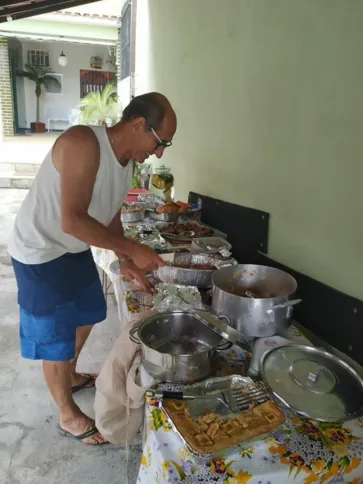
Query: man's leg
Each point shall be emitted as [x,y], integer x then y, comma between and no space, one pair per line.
[82,333]
[57,375]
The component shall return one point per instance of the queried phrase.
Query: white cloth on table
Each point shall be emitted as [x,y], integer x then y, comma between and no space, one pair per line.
[104,258]
[120,395]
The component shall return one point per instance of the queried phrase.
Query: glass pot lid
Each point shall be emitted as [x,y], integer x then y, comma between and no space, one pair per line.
[313,383]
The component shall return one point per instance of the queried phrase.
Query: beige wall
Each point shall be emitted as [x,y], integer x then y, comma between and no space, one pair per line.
[269,97]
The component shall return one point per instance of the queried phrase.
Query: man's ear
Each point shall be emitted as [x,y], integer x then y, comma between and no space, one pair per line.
[138,124]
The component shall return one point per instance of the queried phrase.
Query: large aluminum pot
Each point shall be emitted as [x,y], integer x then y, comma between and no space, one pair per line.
[177,347]
[258,299]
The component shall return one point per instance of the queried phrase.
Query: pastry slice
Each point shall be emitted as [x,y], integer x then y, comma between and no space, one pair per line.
[212,430]
[208,417]
[269,412]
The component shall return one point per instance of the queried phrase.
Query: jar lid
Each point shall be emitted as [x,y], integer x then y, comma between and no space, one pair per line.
[313,383]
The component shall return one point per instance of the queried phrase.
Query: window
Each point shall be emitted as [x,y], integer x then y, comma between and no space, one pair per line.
[38,58]
[55,88]
[125,41]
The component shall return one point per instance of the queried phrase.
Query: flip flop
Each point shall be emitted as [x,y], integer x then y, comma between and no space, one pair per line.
[88,383]
[80,438]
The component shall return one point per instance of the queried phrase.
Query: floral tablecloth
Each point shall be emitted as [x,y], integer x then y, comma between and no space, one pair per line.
[302,452]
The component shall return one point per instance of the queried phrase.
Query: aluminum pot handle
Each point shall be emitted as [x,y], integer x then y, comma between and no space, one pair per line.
[222,317]
[288,304]
[228,264]
[133,337]
[225,345]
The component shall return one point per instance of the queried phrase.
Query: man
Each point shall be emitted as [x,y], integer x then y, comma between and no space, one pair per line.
[75,202]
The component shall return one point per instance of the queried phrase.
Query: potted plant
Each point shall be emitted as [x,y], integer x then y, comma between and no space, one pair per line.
[42,77]
[100,108]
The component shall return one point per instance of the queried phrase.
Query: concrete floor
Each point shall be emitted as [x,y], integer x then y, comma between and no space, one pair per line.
[30,449]
[27,148]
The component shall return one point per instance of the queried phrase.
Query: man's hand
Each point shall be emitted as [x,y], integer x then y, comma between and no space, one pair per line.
[131,272]
[144,257]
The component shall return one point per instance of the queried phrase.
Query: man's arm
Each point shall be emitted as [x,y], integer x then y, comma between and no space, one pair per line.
[116,226]
[76,157]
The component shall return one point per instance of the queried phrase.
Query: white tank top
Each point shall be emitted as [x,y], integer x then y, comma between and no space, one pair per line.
[37,236]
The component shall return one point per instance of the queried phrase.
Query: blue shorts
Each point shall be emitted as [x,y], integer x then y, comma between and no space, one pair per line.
[55,298]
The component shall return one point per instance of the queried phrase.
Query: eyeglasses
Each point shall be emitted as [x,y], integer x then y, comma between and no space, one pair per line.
[161,144]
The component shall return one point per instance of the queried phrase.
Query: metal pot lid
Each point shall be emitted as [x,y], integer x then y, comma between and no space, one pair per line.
[221,325]
[313,383]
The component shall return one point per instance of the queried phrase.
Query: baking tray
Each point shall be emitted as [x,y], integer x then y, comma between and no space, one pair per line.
[164,217]
[197,407]
[181,237]
[128,217]
[210,244]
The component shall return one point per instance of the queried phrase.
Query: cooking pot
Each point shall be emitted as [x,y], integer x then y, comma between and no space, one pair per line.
[177,347]
[258,299]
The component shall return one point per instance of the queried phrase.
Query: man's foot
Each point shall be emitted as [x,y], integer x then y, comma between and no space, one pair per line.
[80,425]
[82,380]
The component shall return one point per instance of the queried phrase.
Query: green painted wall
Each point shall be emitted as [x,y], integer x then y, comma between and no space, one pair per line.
[269,97]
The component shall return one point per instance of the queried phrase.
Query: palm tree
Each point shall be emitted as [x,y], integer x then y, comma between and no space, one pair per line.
[42,76]
[100,107]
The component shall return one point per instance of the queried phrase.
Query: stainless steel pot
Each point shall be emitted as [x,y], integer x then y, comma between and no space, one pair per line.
[258,299]
[177,347]
[191,277]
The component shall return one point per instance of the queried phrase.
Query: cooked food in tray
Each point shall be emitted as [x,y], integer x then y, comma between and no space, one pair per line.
[171,207]
[193,229]
[210,433]
[132,208]
[198,267]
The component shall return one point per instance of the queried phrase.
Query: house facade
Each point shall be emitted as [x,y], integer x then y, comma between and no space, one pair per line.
[88,36]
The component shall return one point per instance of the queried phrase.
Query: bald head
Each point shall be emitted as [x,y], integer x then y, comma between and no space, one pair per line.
[154,107]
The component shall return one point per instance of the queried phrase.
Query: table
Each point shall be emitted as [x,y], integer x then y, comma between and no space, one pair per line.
[302,452]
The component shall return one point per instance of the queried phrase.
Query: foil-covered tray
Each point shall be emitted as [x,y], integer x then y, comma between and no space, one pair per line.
[175,297]
[191,276]
[150,200]
[164,217]
[215,387]
[184,231]
[153,240]
[128,217]
[211,244]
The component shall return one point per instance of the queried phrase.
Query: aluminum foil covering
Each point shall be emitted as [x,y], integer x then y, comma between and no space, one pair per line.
[150,200]
[133,216]
[197,407]
[213,245]
[201,278]
[174,297]
[164,217]
[132,207]
[224,252]
[153,240]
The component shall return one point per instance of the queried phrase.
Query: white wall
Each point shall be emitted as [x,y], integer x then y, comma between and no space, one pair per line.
[59,105]
[269,98]
[123,91]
